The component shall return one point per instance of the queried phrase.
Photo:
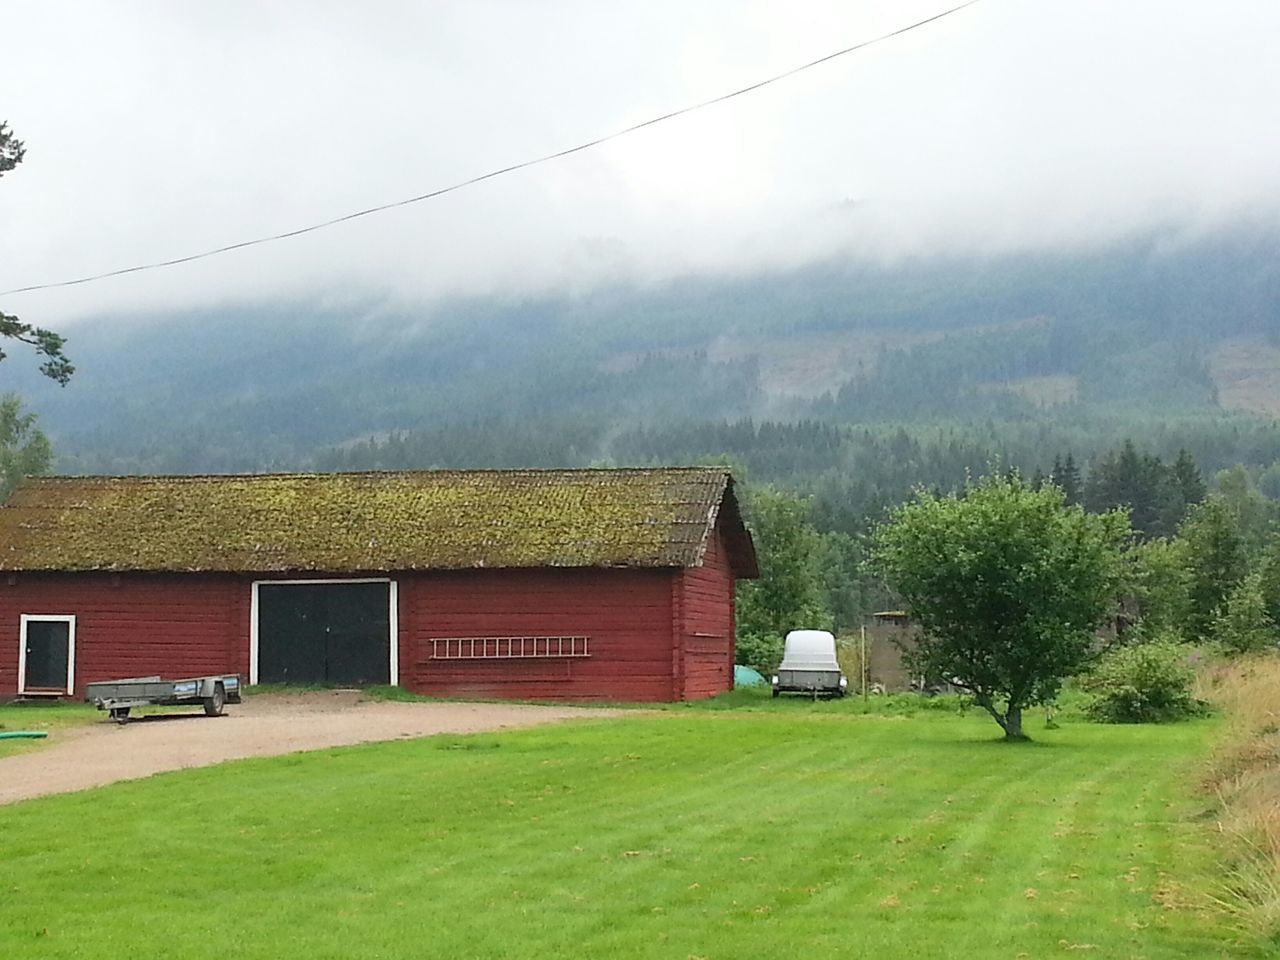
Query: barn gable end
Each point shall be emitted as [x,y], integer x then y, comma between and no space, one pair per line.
[705,627]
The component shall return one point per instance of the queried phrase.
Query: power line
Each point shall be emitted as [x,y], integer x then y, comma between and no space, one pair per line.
[495,173]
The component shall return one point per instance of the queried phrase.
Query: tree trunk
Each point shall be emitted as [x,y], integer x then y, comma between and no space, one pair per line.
[985,703]
[1013,723]
[1010,721]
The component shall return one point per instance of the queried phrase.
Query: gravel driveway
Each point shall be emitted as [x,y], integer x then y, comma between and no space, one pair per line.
[265,725]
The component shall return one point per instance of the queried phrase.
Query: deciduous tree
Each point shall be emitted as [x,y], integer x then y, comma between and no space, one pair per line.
[1008,585]
[1216,561]
[47,343]
[1242,625]
[790,593]
[1160,582]
[24,450]
[12,149]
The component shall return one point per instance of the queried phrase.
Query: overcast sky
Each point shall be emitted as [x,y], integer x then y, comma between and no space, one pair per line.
[156,129]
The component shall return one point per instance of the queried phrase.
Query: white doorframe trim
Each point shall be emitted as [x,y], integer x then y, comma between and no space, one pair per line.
[67,618]
[393,619]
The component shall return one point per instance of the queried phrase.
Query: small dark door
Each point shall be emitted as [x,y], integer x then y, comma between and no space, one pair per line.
[324,633]
[47,655]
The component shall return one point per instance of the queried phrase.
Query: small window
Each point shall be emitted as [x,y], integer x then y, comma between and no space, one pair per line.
[47,653]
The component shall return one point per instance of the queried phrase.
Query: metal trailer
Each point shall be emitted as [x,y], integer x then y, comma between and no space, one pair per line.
[809,666]
[118,697]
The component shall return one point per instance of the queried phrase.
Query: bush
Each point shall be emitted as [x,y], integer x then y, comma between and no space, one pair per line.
[1148,683]
[762,652]
[1243,625]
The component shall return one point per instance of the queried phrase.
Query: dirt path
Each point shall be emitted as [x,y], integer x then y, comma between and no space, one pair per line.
[104,752]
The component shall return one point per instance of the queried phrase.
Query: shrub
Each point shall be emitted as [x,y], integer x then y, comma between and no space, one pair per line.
[849,656]
[1147,683]
[760,651]
[1243,626]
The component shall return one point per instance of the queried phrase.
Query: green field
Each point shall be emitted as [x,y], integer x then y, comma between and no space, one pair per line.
[776,833]
[47,717]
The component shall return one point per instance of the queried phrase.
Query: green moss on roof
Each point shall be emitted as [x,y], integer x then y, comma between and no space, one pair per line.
[366,521]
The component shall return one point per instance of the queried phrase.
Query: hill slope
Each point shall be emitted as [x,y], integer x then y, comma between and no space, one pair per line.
[1126,334]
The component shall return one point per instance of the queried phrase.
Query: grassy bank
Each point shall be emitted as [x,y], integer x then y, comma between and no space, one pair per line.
[1244,777]
[774,833]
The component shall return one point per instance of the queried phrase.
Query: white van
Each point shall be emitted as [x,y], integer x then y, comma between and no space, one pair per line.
[809,666]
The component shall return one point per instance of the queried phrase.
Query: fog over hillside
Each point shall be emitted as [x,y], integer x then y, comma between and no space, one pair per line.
[1135,328]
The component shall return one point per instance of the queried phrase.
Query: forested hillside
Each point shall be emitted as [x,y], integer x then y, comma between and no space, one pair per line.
[854,382]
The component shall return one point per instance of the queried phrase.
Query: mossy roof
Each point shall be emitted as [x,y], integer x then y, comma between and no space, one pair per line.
[422,520]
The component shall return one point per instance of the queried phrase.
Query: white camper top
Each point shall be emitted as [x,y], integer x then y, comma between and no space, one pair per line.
[809,650]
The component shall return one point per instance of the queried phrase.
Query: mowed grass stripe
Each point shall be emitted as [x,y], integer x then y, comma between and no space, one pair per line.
[715,834]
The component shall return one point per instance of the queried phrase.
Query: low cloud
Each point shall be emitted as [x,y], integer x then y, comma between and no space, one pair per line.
[160,131]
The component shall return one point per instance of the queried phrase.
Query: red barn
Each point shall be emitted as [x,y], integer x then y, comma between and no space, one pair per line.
[579,584]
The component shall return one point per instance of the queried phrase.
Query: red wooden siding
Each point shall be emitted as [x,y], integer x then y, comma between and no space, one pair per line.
[706,630]
[652,634]
[133,626]
[626,614]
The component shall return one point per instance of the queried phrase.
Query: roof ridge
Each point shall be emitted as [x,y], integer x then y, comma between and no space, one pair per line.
[448,471]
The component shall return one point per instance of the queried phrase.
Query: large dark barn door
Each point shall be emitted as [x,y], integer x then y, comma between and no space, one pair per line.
[324,633]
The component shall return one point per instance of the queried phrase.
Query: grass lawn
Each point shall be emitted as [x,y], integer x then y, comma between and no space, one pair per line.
[50,718]
[771,833]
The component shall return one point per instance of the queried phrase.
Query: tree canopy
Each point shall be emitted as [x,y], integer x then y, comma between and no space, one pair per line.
[1008,585]
[24,450]
[1217,561]
[1157,494]
[789,594]
[12,150]
[47,343]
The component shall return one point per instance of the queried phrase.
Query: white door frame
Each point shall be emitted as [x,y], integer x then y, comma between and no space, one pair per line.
[67,618]
[393,619]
